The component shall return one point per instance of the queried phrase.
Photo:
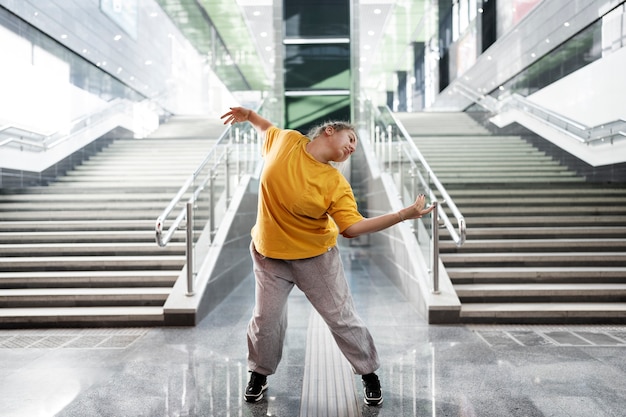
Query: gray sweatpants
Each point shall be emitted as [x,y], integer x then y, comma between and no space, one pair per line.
[322,280]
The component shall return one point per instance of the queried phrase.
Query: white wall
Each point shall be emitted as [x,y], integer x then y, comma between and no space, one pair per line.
[593,95]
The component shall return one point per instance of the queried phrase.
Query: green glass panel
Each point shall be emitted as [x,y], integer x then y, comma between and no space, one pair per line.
[317,67]
[316,18]
[302,113]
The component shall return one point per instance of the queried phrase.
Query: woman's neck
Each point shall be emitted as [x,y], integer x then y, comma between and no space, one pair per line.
[317,151]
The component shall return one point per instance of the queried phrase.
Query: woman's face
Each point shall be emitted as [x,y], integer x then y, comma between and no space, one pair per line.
[343,143]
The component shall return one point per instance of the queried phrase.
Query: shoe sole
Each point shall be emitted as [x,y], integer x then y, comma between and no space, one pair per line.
[255,398]
[373,402]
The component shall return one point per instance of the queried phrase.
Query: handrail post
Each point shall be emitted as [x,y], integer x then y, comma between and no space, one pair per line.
[190,273]
[226,174]
[400,171]
[245,157]
[390,146]
[238,158]
[211,205]
[414,191]
[377,139]
[435,254]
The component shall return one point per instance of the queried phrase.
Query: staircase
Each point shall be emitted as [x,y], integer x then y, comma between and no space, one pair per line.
[543,245]
[82,252]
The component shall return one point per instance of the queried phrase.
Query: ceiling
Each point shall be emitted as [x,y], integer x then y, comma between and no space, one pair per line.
[386,30]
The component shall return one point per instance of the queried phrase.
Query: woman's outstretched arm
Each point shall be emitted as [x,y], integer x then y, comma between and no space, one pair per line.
[378,223]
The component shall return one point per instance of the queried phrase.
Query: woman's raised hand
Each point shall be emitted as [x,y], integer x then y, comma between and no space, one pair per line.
[235,115]
[416,210]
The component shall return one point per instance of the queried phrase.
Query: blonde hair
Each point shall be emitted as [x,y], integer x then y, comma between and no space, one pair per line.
[337,125]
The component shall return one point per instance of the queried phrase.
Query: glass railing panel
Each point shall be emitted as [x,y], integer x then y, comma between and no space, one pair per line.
[201,204]
[399,157]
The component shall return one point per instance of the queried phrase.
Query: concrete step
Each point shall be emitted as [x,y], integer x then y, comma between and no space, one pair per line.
[481,151]
[78,215]
[76,225]
[534,259]
[109,214]
[82,206]
[72,197]
[83,297]
[195,149]
[81,263]
[90,188]
[159,177]
[519,164]
[474,142]
[150,161]
[90,248]
[81,189]
[470,169]
[541,292]
[89,278]
[474,154]
[572,191]
[130,168]
[126,316]
[533,245]
[544,313]
[156,146]
[146,184]
[536,274]
[547,221]
[543,210]
[84,236]
[454,181]
[432,123]
[531,200]
[143,158]
[175,144]
[543,232]
[506,175]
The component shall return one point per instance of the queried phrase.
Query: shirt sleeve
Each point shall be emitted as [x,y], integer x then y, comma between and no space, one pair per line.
[270,136]
[343,208]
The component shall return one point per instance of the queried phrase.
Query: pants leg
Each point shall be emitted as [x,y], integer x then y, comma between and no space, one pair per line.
[323,281]
[266,329]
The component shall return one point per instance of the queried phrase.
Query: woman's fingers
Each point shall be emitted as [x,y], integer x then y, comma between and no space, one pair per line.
[229,117]
[236,114]
[427,210]
[420,202]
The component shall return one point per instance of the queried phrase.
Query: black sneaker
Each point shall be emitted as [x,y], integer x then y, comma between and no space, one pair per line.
[371,387]
[256,387]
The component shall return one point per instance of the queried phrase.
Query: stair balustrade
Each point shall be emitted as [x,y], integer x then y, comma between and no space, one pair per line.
[604,134]
[399,156]
[202,200]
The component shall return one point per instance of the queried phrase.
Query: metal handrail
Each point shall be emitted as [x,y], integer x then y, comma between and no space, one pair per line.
[219,156]
[384,127]
[605,132]
[48,142]
[32,138]
[460,237]
[163,240]
[485,101]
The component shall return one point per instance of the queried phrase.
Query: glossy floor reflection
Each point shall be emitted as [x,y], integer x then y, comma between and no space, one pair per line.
[427,370]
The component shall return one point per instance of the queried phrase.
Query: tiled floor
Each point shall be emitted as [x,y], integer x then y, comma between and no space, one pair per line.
[427,370]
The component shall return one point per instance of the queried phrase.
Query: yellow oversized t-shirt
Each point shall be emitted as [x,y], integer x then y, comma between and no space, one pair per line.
[303,203]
